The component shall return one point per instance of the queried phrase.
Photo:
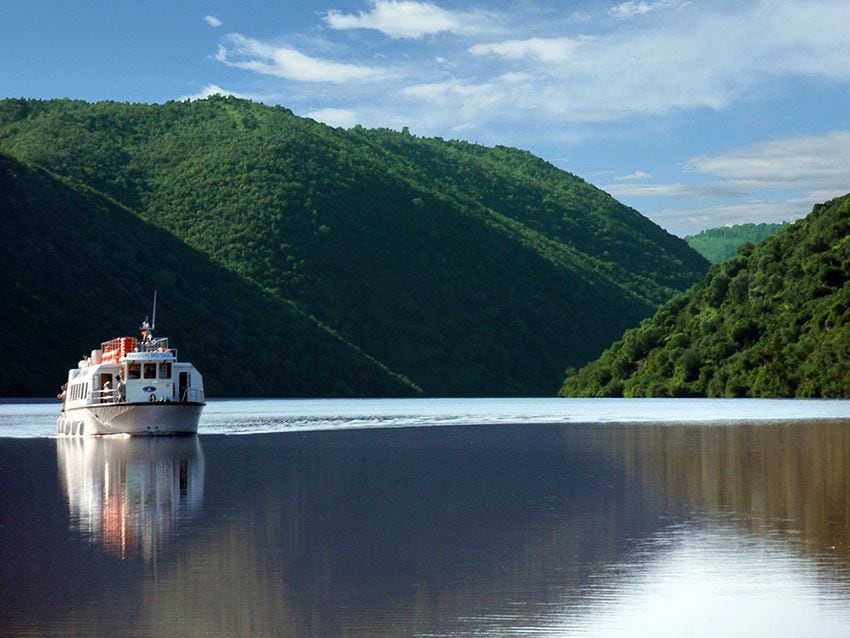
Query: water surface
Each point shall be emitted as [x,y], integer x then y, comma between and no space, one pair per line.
[489,518]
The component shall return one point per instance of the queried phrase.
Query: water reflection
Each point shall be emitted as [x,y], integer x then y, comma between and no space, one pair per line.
[494,531]
[790,480]
[130,494]
[581,529]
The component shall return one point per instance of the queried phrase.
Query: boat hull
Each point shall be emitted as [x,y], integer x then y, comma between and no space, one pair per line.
[135,419]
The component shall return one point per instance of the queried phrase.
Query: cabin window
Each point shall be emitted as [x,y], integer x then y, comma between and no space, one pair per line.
[150,370]
[165,370]
[134,370]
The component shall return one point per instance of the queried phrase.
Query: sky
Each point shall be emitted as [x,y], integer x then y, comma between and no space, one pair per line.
[696,113]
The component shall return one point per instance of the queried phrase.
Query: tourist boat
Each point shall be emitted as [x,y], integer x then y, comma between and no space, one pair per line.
[132,386]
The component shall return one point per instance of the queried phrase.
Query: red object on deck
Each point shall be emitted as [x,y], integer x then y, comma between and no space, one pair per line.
[116,348]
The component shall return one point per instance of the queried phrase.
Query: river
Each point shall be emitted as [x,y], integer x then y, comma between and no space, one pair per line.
[470,517]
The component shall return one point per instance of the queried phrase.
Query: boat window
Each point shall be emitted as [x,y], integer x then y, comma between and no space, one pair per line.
[134,370]
[150,370]
[165,370]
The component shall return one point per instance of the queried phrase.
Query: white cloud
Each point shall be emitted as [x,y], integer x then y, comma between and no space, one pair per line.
[543,49]
[334,117]
[283,61]
[780,180]
[407,19]
[706,57]
[634,176]
[824,159]
[631,8]
[214,89]
[817,166]
[213,21]
[689,220]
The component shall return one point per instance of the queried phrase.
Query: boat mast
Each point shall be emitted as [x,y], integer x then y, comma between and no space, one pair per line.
[153,317]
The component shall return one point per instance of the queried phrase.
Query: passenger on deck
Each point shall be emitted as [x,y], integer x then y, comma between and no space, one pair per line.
[146,331]
[122,389]
[107,394]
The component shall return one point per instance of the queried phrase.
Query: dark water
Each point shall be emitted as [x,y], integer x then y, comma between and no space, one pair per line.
[599,529]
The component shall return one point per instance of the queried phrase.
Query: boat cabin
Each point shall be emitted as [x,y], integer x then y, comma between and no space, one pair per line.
[127,370]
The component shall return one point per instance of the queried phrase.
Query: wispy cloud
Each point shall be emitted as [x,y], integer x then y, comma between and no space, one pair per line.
[690,220]
[283,61]
[543,49]
[778,180]
[634,176]
[704,57]
[790,160]
[408,19]
[816,164]
[213,21]
[214,89]
[334,117]
[631,8]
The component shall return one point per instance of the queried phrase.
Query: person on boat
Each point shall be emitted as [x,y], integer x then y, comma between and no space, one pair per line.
[107,394]
[146,331]
[121,388]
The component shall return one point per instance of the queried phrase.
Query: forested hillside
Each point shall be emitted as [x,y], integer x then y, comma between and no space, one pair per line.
[774,321]
[470,270]
[717,244]
[79,269]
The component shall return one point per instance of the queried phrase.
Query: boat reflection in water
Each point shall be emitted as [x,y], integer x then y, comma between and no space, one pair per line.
[131,494]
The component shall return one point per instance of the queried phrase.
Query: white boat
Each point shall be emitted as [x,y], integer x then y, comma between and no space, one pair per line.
[132,386]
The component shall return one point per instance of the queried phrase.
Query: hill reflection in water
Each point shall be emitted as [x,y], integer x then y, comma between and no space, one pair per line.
[591,529]
[522,530]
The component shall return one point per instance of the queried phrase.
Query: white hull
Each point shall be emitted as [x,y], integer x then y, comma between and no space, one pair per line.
[135,419]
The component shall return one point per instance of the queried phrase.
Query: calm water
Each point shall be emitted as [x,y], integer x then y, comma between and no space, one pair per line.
[491,518]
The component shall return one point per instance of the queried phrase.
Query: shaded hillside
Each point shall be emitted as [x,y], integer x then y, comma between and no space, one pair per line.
[80,269]
[472,271]
[717,244]
[774,321]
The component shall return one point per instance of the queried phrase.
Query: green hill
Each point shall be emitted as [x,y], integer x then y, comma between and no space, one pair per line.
[470,270]
[774,321]
[717,244]
[79,269]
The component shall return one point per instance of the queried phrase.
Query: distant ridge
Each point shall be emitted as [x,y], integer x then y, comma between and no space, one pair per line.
[471,271]
[773,321]
[717,244]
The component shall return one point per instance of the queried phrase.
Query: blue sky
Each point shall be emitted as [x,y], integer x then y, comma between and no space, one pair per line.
[696,113]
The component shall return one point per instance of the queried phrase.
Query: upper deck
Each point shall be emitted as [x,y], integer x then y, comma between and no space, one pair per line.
[132,370]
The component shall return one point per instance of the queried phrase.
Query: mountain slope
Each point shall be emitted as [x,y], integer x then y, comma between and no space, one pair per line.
[773,321]
[472,271]
[80,270]
[717,244]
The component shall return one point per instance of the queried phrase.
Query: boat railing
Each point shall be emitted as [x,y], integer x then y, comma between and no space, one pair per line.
[108,395]
[159,344]
[193,395]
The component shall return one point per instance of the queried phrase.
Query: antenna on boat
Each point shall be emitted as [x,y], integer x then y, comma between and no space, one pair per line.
[153,317]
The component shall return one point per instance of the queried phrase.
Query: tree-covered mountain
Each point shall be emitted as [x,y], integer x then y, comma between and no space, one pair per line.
[774,321]
[79,269]
[470,270]
[717,244]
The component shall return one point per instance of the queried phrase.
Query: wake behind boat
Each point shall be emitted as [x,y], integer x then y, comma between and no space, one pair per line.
[132,386]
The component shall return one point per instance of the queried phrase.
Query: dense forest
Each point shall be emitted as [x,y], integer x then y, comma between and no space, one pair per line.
[75,262]
[773,321]
[464,270]
[717,244]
